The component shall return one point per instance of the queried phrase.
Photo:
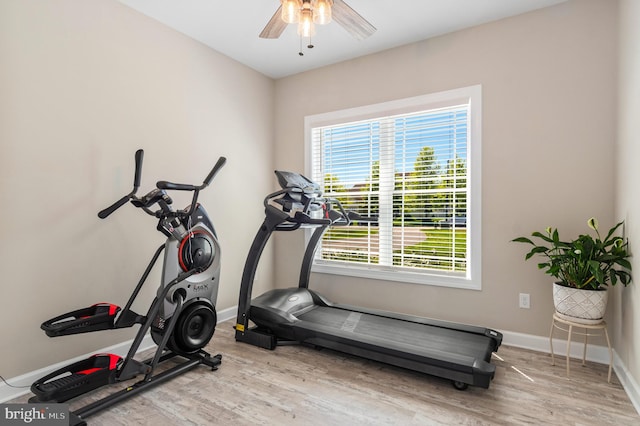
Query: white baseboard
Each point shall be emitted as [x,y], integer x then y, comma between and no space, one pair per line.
[8,393]
[227,314]
[595,353]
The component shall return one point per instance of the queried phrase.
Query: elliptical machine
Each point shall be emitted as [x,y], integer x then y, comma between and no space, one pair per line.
[181,319]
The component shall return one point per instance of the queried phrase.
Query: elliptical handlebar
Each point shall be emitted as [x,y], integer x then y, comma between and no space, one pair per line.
[163,184]
[102,214]
[219,164]
[138,172]
[160,185]
[136,184]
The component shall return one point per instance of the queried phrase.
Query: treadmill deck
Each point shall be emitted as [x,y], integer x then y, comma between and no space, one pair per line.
[459,352]
[419,339]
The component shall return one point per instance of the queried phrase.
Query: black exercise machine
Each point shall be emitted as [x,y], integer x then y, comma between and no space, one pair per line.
[458,352]
[181,319]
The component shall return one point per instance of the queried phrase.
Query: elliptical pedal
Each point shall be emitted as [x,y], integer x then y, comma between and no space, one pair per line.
[100,316]
[77,378]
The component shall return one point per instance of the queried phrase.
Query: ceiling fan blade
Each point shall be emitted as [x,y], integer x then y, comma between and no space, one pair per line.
[351,20]
[275,26]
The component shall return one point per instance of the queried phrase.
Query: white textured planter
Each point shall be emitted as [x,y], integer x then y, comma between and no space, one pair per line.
[579,305]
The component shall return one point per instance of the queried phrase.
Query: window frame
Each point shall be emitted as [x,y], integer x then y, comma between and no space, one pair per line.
[471,95]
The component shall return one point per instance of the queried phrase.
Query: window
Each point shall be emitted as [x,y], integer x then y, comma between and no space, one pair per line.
[414,164]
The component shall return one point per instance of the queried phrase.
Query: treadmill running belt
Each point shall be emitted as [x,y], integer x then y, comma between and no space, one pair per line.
[420,336]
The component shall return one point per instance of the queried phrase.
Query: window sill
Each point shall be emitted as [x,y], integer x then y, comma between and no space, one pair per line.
[387,274]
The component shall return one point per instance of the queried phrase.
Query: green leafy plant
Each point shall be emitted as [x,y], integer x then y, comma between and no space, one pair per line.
[586,262]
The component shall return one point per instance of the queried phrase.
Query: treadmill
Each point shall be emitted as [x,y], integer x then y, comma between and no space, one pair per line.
[457,352]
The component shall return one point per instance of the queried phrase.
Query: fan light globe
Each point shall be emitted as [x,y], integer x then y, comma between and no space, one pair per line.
[305,26]
[322,11]
[291,10]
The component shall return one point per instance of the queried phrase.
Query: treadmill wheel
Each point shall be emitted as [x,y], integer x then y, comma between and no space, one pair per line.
[460,385]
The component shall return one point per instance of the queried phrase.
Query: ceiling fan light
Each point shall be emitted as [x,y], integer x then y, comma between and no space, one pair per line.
[291,10]
[305,26]
[322,11]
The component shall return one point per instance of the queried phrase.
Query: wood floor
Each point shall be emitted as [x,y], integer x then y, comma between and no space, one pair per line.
[296,385]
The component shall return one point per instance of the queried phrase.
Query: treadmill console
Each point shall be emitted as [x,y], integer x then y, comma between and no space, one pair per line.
[292,180]
[301,195]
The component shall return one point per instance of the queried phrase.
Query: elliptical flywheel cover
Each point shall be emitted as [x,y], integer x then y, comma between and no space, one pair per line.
[196,251]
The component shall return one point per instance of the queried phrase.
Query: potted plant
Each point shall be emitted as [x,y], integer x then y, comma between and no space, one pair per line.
[583,268]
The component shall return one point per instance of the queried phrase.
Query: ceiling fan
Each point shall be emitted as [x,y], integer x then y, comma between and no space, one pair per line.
[306,13]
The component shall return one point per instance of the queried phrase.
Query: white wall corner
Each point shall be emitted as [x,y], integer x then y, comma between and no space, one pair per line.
[595,353]
[628,382]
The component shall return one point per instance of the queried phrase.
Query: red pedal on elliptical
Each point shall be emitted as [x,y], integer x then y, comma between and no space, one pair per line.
[78,378]
[100,316]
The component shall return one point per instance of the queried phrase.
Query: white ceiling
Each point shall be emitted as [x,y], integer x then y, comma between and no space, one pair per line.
[231,27]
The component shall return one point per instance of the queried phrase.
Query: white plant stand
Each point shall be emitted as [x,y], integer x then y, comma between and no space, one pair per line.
[599,328]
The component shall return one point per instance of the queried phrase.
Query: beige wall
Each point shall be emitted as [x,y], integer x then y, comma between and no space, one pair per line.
[549,99]
[73,109]
[83,84]
[626,323]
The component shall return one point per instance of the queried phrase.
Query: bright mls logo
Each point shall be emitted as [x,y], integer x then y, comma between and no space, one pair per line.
[34,414]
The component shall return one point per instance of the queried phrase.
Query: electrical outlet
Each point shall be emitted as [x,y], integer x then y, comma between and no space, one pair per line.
[525,300]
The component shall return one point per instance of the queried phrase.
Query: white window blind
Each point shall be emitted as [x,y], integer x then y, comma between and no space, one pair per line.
[411,171]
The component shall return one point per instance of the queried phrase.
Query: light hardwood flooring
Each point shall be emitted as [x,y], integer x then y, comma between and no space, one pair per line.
[296,385]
